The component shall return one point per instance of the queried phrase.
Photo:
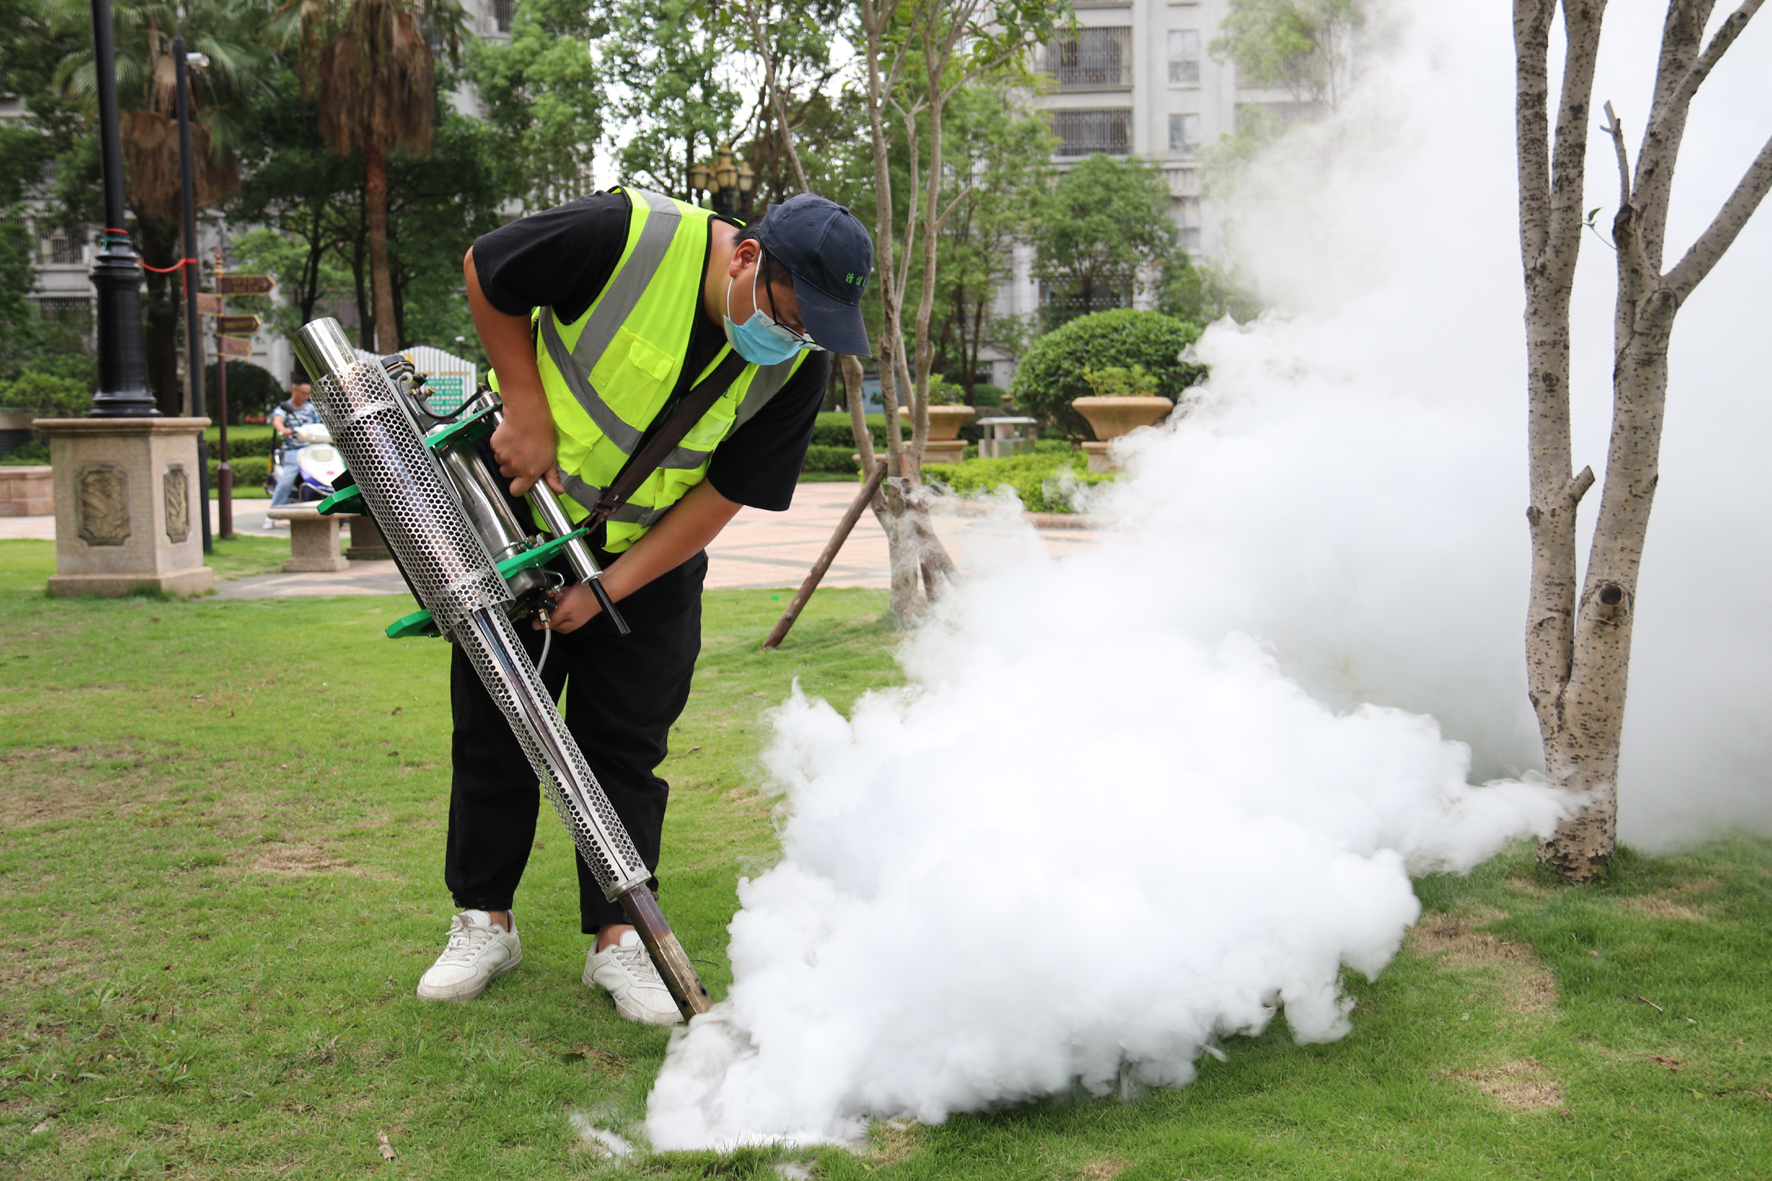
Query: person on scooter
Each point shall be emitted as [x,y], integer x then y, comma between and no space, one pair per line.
[598,317]
[286,419]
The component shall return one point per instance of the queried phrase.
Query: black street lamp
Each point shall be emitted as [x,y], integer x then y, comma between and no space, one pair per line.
[729,183]
[116,271]
[182,64]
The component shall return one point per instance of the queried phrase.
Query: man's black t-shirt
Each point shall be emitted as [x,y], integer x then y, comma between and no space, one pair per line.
[563,257]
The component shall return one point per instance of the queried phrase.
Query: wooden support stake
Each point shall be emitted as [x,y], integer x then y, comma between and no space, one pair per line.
[825,559]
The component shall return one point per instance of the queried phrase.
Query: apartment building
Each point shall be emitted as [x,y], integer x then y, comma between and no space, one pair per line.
[1137,78]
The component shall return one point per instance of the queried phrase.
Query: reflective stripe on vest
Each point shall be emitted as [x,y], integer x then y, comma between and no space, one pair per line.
[640,344]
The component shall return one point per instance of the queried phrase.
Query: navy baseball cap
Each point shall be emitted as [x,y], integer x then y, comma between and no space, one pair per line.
[830,255]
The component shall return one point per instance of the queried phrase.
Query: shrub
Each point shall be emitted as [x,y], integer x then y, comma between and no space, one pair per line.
[835,460]
[47,395]
[833,430]
[243,441]
[1039,479]
[1053,372]
[1115,382]
[988,397]
[250,472]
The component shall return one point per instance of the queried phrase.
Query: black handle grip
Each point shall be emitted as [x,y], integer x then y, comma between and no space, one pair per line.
[608,605]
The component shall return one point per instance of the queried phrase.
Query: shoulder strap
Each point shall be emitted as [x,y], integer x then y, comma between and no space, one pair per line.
[685,414]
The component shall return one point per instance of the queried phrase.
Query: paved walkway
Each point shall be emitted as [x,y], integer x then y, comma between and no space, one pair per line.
[758,550]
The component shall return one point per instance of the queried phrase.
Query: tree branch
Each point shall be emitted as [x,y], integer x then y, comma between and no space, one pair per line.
[1616,130]
[1723,229]
[953,205]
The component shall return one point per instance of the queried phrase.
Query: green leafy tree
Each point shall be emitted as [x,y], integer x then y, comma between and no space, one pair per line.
[544,98]
[371,71]
[1299,46]
[1058,366]
[304,202]
[1102,235]
[1200,292]
[999,156]
[671,57]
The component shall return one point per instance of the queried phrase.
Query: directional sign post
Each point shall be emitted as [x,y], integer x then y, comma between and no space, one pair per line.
[236,324]
[234,346]
[208,305]
[244,284]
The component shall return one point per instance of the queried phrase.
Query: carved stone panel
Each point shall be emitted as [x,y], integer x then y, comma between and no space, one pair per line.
[101,503]
[176,486]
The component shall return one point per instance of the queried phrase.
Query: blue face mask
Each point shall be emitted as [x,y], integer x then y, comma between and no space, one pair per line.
[760,340]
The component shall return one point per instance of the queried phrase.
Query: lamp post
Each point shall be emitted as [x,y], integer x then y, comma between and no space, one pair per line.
[728,181]
[183,63]
[116,270]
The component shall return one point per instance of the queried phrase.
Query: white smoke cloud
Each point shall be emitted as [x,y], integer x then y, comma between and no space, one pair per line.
[1133,800]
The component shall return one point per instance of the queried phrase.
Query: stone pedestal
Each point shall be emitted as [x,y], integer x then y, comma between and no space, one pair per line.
[27,491]
[1113,417]
[367,543]
[126,506]
[313,540]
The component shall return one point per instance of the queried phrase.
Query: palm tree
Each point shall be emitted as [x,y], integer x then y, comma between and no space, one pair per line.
[146,88]
[370,67]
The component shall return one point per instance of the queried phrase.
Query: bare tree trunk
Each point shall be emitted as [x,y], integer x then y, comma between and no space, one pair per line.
[375,168]
[1578,650]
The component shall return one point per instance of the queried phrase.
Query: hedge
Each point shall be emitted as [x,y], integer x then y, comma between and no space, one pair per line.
[1037,479]
[250,472]
[1051,374]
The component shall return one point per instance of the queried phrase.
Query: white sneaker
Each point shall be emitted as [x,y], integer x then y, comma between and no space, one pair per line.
[270,523]
[626,971]
[478,953]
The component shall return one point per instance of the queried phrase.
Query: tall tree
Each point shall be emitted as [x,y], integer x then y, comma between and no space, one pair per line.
[370,69]
[147,94]
[1102,235]
[544,97]
[671,57]
[1578,644]
[1000,152]
[1299,46]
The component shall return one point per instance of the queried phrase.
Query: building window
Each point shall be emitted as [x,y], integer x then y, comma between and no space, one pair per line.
[501,14]
[1184,135]
[1084,133]
[1184,57]
[1187,215]
[59,248]
[1093,59]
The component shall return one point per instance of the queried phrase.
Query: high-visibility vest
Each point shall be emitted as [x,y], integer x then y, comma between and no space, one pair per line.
[609,373]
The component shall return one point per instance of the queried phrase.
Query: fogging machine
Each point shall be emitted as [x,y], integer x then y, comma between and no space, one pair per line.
[477,574]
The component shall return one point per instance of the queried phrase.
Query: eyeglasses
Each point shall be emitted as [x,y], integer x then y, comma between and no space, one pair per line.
[800,338]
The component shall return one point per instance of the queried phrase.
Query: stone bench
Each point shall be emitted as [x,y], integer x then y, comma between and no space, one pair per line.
[313,540]
[27,491]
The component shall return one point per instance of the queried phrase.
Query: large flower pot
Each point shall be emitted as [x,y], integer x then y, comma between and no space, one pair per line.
[945,444]
[1110,418]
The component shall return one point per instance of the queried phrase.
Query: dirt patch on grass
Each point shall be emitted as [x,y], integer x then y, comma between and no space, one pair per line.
[1529,987]
[295,861]
[1657,906]
[1104,1170]
[1521,1086]
[47,784]
[893,1140]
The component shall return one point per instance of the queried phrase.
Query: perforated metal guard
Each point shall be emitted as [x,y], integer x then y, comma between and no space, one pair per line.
[453,575]
[488,641]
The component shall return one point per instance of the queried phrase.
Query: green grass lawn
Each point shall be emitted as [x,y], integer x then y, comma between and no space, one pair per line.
[220,828]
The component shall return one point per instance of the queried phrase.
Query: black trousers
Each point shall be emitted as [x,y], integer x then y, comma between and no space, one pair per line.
[623,695]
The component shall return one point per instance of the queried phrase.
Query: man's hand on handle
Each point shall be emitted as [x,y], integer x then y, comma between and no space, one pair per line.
[525,453]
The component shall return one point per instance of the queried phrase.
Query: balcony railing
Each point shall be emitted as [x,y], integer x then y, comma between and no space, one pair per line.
[1092,59]
[1084,133]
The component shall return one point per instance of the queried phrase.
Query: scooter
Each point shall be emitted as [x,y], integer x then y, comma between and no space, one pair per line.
[318,463]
